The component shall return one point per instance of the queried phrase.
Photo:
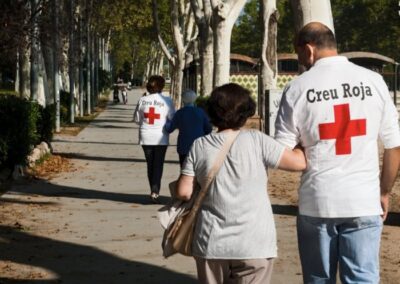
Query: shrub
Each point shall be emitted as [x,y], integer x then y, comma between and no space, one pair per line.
[64,106]
[17,129]
[45,123]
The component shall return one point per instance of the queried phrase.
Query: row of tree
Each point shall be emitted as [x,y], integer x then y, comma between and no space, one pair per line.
[203,29]
[58,45]
[64,46]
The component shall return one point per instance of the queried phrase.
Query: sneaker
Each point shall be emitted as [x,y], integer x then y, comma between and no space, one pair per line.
[154,197]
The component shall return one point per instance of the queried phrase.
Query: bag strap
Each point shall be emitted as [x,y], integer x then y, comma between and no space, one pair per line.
[231,137]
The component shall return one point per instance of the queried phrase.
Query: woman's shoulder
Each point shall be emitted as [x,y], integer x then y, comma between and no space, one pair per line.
[249,132]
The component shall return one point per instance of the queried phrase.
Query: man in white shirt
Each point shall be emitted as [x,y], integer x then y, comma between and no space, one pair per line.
[336,111]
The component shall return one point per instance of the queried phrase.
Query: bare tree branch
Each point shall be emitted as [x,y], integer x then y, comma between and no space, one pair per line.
[164,48]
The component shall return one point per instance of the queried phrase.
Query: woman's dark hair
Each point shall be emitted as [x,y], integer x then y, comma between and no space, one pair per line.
[155,84]
[229,106]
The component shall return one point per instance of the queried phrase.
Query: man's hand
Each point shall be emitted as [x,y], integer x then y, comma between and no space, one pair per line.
[390,168]
[385,206]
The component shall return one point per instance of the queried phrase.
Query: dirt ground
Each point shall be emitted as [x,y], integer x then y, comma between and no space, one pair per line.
[283,192]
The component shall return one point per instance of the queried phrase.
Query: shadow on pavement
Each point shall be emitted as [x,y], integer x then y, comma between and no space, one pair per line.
[95,125]
[93,142]
[113,107]
[115,159]
[44,188]
[73,263]
[113,120]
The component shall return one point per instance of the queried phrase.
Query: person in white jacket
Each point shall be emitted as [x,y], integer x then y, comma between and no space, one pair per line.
[337,111]
[151,114]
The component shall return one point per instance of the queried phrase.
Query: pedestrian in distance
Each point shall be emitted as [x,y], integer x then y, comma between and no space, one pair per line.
[337,111]
[116,93]
[235,239]
[192,123]
[124,93]
[151,114]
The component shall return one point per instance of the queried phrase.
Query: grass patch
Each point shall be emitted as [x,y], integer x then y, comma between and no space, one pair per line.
[42,159]
[6,92]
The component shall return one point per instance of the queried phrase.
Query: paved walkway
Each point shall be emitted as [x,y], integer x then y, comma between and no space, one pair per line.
[97,224]
[100,226]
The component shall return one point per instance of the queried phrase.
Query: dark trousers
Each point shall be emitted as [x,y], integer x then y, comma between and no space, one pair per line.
[155,155]
[182,159]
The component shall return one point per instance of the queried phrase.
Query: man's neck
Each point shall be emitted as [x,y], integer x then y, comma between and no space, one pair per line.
[323,53]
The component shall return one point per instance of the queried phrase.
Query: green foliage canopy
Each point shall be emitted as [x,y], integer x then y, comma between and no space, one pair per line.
[360,25]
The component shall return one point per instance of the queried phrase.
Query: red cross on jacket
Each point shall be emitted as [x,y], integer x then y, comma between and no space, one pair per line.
[151,115]
[342,129]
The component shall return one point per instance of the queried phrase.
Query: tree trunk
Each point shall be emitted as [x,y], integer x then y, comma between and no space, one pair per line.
[71,60]
[48,56]
[34,70]
[202,13]
[44,93]
[96,68]
[107,52]
[24,71]
[92,76]
[160,63]
[56,63]
[222,51]
[223,18]
[306,11]
[81,60]
[87,59]
[178,79]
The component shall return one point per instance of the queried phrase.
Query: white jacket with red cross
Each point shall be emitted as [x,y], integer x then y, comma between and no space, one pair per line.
[336,111]
[152,112]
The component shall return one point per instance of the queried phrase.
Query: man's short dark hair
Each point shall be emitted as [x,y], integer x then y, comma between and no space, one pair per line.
[316,34]
[155,84]
[229,106]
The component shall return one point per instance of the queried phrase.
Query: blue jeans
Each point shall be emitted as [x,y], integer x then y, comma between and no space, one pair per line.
[350,243]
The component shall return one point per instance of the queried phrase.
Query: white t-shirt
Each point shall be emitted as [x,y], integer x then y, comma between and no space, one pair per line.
[337,110]
[235,220]
[152,112]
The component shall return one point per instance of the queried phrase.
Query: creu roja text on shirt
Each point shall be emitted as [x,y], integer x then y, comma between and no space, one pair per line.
[153,103]
[362,91]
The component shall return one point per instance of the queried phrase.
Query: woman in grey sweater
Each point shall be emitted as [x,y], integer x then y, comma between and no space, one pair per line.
[235,238]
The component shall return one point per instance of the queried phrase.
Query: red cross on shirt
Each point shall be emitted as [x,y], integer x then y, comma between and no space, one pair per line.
[151,115]
[342,129]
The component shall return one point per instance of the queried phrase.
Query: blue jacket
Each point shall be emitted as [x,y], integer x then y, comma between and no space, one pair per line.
[192,123]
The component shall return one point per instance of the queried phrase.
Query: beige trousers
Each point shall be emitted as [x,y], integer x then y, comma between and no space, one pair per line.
[237,271]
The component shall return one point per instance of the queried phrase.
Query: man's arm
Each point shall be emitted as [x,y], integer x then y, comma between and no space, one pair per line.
[136,113]
[390,168]
[286,131]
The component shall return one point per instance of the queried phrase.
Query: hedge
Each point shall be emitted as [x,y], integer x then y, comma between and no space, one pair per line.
[23,124]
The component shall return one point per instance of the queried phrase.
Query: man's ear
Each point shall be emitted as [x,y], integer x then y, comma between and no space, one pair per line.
[309,50]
